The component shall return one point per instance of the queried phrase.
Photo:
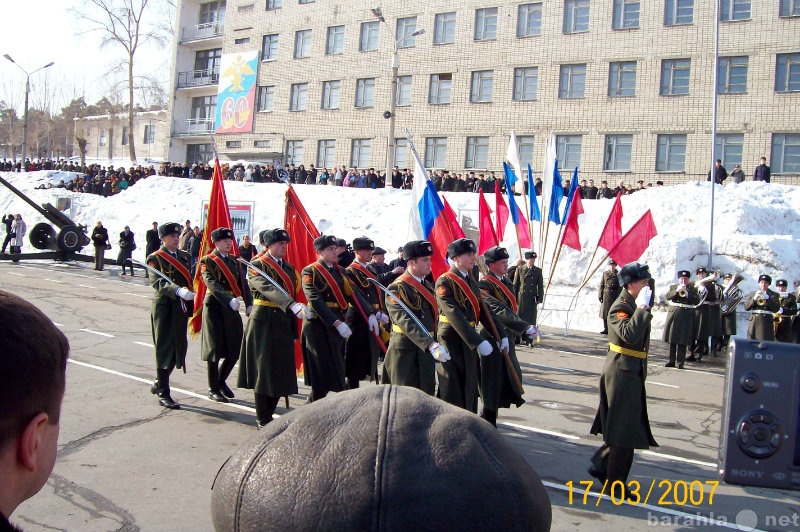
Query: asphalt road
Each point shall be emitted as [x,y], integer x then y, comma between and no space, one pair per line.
[126,464]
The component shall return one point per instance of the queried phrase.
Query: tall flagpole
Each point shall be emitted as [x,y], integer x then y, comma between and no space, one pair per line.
[714,136]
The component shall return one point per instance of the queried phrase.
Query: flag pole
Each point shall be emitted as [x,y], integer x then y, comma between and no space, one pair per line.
[591,261]
[553,268]
[590,276]
[556,253]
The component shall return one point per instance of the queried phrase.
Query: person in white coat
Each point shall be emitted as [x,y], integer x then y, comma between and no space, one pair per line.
[18,229]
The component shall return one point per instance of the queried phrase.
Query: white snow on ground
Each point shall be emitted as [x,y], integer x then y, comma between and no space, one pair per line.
[756,227]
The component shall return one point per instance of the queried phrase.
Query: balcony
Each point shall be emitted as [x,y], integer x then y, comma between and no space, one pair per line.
[195,127]
[198,78]
[199,32]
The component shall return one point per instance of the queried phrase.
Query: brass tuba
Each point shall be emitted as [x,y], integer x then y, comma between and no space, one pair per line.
[702,290]
[732,295]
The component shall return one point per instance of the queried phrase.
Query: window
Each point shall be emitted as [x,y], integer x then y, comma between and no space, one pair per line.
[305,1]
[734,10]
[405,29]
[790,8]
[103,138]
[211,12]
[269,48]
[245,8]
[525,144]
[401,153]
[477,152]
[149,134]
[626,14]
[266,98]
[199,153]
[365,92]
[568,151]
[671,153]
[618,153]
[125,132]
[299,97]
[331,90]
[204,108]
[481,88]
[369,36]
[729,149]
[675,76]
[787,73]
[435,152]
[242,40]
[678,12]
[526,83]
[785,157]
[208,61]
[302,44]
[440,89]
[403,90]
[444,28]
[576,16]
[294,152]
[732,75]
[486,24]
[335,42]
[326,153]
[274,4]
[529,20]
[261,144]
[360,153]
[622,78]
[233,143]
[572,81]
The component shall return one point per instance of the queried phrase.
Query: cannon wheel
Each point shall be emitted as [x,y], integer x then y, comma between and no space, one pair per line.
[69,239]
[43,236]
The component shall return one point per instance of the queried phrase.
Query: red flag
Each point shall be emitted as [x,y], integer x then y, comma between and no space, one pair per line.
[501,210]
[633,245]
[219,215]
[571,237]
[523,233]
[612,231]
[452,223]
[486,233]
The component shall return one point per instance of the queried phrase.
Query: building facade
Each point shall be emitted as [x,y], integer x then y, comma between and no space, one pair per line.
[107,136]
[626,86]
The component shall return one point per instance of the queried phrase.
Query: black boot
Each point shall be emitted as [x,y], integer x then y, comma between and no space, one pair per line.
[213,383]
[162,389]
[224,372]
[350,383]
[490,416]
[265,407]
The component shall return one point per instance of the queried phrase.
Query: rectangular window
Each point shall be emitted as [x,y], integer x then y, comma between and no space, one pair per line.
[572,81]
[199,153]
[481,88]
[261,144]
[618,153]
[785,157]
[576,16]
[529,20]
[678,12]
[525,144]
[486,24]
[789,8]
[331,90]
[671,153]
[242,40]
[732,75]
[302,44]
[568,151]
[299,97]
[269,48]
[403,90]
[439,92]
[294,152]
[365,92]
[103,138]
[435,152]
[361,149]
[405,32]
[401,153]
[266,98]
[326,153]
[211,12]
[233,143]
[729,148]
[626,14]
[734,10]
[368,40]
[305,1]
[335,42]
[675,76]
[247,8]
[444,28]
[622,78]
[149,134]
[526,84]
[207,62]
[477,153]
[787,72]
[274,4]
[125,132]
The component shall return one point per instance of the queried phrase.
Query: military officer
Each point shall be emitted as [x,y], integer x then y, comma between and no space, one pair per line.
[266,361]
[762,304]
[679,327]
[529,288]
[728,319]
[413,350]
[499,389]
[622,414]
[221,335]
[708,317]
[384,272]
[458,298]
[608,292]
[786,314]
[172,305]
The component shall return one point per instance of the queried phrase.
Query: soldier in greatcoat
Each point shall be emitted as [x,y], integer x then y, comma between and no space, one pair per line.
[529,288]
[762,304]
[786,314]
[679,327]
[608,292]
[728,319]
[708,316]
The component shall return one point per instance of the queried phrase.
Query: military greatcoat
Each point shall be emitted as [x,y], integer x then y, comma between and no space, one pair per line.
[529,289]
[169,314]
[762,317]
[361,350]
[786,316]
[221,335]
[609,291]
[679,327]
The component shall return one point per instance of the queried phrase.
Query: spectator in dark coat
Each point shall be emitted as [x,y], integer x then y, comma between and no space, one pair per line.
[762,172]
[737,175]
[7,221]
[195,243]
[246,249]
[126,247]
[100,242]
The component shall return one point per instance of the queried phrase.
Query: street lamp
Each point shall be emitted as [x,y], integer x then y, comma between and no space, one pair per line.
[390,145]
[27,90]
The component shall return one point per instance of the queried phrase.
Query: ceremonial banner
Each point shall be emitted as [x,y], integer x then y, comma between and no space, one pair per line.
[236,93]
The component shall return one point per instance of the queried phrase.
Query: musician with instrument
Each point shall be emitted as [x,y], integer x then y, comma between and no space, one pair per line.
[682,298]
[786,314]
[762,304]
[707,314]
[731,297]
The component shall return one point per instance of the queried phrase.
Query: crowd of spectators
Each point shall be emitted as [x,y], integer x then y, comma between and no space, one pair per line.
[101,180]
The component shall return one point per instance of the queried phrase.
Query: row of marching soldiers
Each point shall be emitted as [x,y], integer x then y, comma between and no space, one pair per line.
[456,332]
[703,310]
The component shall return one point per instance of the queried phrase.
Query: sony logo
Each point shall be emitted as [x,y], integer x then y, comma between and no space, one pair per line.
[746,473]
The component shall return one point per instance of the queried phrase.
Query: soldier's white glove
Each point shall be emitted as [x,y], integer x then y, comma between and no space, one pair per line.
[234,304]
[299,310]
[504,344]
[643,299]
[485,348]
[372,321]
[248,310]
[185,293]
[343,330]
[531,332]
[439,352]
[398,270]
[383,318]
[780,311]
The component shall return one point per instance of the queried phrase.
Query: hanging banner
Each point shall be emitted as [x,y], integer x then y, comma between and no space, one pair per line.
[241,218]
[236,93]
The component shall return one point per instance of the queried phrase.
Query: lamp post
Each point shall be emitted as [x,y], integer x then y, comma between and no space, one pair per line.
[712,173]
[390,145]
[27,90]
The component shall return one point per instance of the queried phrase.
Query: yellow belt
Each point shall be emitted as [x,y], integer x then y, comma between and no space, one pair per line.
[376,306]
[443,319]
[625,351]
[265,303]
[332,305]
[397,329]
